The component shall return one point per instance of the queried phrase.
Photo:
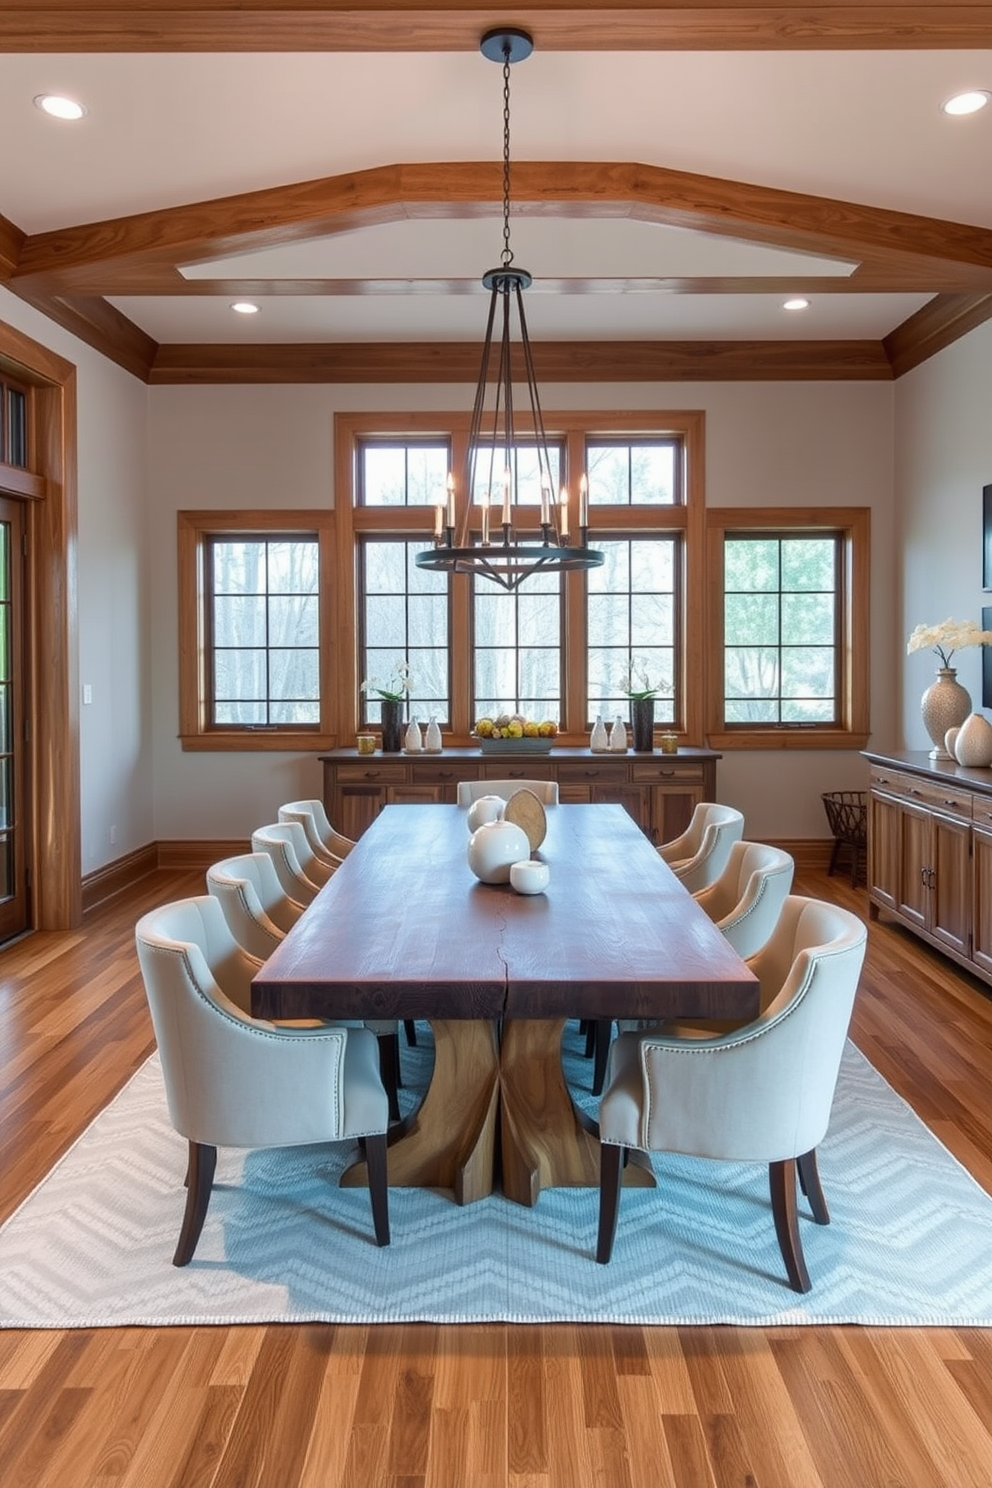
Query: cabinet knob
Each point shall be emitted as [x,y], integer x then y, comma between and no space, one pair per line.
[371,774]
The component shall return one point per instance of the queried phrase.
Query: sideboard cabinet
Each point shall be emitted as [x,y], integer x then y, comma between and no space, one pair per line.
[659,790]
[930,853]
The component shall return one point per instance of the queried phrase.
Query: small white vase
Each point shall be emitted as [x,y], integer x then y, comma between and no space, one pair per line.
[493,849]
[599,739]
[485,809]
[413,742]
[432,738]
[973,745]
[618,736]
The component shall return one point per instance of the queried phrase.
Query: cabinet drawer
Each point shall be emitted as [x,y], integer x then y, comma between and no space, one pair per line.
[373,773]
[666,772]
[982,811]
[592,772]
[437,772]
[939,795]
[512,767]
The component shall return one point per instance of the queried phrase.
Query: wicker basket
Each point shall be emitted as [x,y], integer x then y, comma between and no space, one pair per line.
[847,815]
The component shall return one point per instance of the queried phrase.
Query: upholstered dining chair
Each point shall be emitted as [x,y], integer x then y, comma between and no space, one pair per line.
[258,915]
[746,900]
[700,854]
[762,1093]
[468,791]
[294,861]
[236,1081]
[323,839]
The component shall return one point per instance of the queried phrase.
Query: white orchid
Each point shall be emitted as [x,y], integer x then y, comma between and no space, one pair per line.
[395,687]
[637,684]
[947,637]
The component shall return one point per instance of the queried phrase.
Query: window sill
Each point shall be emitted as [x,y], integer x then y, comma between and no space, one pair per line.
[258,740]
[730,740]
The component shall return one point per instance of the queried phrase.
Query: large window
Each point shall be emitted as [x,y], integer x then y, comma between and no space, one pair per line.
[257,652]
[560,646]
[789,623]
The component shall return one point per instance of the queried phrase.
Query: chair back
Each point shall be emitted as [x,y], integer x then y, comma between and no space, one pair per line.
[323,839]
[286,844]
[546,791]
[722,827]
[232,1080]
[257,911]
[746,900]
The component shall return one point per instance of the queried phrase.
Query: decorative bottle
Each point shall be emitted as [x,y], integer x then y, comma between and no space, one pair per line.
[618,736]
[598,739]
[432,741]
[413,741]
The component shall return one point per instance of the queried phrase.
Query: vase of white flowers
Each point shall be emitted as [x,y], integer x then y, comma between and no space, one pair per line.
[392,693]
[945,704]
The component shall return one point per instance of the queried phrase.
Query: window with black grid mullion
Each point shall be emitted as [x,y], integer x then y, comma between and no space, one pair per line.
[781,616]
[264,654]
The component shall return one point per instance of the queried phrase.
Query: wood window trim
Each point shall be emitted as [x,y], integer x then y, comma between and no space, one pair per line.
[854,525]
[575,426]
[193,528]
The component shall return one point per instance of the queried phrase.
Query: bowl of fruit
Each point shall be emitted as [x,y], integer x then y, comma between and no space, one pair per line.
[512,733]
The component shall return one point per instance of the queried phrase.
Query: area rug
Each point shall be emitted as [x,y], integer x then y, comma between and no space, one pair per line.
[910,1241]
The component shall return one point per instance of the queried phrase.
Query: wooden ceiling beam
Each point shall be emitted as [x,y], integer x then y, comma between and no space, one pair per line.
[385,25]
[75,259]
[559,361]
[944,320]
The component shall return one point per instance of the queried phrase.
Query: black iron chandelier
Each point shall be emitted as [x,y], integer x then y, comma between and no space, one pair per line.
[494,551]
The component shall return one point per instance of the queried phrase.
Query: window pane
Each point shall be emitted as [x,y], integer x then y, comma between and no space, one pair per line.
[633,620]
[405,473]
[517,652]
[622,473]
[264,630]
[525,475]
[404,620]
[781,657]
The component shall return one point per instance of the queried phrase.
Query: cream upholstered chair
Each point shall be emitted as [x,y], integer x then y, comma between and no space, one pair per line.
[258,915]
[746,900]
[762,1093]
[700,855]
[324,841]
[546,791]
[294,861]
[257,909]
[236,1081]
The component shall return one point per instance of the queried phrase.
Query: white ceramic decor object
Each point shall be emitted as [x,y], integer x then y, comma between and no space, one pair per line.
[973,745]
[494,847]
[530,876]
[950,738]
[485,809]
[432,739]
[413,743]
[599,739]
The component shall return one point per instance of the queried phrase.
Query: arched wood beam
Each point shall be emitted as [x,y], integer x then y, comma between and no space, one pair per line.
[385,25]
[63,261]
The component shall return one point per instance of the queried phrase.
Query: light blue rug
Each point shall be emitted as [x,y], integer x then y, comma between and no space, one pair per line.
[910,1242]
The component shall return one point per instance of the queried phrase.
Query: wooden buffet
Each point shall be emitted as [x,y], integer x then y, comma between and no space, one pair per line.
[658,790]
[930,853]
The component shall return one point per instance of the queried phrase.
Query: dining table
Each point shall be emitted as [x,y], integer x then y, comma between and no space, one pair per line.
[404,930]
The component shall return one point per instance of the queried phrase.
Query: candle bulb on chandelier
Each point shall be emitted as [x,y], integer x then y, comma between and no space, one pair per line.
[506,499]
[451,500]
[563,521]
[484,503]
[545,505]
[439,521]
[583,504]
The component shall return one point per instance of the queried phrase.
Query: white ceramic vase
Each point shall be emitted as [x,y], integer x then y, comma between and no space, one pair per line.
[950,739]
[973,745]
[494,847]
[944,704]
[485,809]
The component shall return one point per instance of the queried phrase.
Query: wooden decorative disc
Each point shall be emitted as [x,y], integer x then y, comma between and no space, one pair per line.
[526,811]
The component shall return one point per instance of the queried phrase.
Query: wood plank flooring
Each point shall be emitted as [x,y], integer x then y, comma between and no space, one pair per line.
[483,1406]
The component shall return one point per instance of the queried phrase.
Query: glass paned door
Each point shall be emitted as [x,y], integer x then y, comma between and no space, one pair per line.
[14,908]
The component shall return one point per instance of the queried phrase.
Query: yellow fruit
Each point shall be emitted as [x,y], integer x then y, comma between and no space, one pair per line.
[514,729]
[552,728]
[531,730]
[484,728]
[544,729]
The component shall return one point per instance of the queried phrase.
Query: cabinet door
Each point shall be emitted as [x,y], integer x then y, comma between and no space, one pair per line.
[883,850]
[356,808]
[914,865]
[671,810]
[982,899]
[950,899]
[416,795]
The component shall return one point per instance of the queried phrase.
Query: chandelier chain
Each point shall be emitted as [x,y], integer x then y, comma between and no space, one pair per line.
[507,254]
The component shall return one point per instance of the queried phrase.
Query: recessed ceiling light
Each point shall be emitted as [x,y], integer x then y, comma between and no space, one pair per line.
[796,304]
[966,103]
[58,107]
[245,307]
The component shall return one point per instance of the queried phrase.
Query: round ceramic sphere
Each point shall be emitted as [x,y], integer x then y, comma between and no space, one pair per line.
[530,876]
[494,847]
[973,745]
[485,809]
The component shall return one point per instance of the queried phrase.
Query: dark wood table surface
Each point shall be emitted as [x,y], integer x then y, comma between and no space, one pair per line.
[405,930]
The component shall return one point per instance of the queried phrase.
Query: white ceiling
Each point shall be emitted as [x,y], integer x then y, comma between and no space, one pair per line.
[164,130]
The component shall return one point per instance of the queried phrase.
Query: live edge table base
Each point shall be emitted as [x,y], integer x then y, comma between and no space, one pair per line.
[450,1140]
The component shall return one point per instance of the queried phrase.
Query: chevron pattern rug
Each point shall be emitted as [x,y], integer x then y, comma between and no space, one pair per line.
[910,1242]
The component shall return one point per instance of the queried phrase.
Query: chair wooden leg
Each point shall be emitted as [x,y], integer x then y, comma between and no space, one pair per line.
[389,1070]
[809,1178]
[410,1029]
[587,1026]
[782,1182]
[611,1159]
[375,1159]
[602,1033]
[199,1181]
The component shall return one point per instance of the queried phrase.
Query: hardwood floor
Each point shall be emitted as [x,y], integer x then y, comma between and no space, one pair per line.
[478,1407]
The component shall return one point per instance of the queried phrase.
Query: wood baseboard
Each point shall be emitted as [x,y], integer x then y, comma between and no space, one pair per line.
[808,852]
[114,878]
